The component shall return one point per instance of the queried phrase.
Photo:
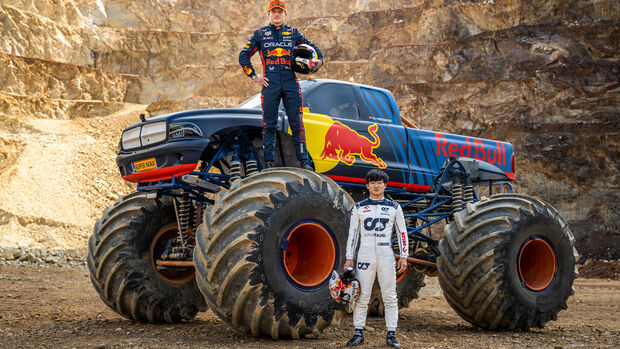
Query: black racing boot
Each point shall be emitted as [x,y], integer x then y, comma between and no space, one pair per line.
[268,164]
[357,339]
[391,340]
[304,164]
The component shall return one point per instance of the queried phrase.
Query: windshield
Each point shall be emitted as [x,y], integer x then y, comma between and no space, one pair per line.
[255,103]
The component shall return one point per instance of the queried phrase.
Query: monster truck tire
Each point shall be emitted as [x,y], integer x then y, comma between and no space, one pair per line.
[507,262]
[265,252]
[407,288]
[122,269]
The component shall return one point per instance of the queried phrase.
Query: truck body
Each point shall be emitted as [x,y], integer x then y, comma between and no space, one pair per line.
[350,129]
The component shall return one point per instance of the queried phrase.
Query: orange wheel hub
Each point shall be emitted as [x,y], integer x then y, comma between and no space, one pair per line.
[310,254]
[175,277]
[536,264]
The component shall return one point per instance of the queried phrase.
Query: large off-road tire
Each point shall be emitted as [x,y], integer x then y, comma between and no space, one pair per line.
[507,262]
[122,268]
[265,252]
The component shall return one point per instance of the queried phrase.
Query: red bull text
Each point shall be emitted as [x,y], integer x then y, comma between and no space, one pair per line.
[474,149]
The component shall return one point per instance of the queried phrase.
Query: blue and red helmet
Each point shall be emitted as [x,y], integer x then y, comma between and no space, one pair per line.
[345,289]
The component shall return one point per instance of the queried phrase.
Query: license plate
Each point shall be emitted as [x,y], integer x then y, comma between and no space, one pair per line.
[144,165]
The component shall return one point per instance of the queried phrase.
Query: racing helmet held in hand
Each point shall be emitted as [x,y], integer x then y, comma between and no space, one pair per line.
[304,59]
[345,289]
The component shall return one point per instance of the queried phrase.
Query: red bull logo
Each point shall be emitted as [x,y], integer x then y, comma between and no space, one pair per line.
[478,151]
[248,71]
[342,143]
[278,52]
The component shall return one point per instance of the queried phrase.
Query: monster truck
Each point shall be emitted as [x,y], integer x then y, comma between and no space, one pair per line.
[208,227]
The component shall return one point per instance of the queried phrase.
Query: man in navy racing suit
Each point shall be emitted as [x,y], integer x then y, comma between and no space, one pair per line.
[372,223]
[275,42]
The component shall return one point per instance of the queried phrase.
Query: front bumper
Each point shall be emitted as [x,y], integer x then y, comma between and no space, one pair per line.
[173,159]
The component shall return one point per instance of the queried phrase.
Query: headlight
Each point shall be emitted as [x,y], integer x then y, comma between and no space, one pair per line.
[144,134]
[153,133]
[184,130]
[131,138]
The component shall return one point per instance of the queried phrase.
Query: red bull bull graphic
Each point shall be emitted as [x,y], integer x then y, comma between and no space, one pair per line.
[248,71]
[278,52]
[342,143]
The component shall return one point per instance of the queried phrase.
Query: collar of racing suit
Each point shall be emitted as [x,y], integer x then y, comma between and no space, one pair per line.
[276,27]
[376,201]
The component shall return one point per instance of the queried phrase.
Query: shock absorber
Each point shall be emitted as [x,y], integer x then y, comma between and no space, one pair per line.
[468,193]
[183,209]
[184,213]
[251,167]
[457,197]
[235,168]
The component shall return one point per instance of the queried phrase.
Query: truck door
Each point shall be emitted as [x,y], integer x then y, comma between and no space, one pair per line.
[350,131]
[338,142]
[378,107]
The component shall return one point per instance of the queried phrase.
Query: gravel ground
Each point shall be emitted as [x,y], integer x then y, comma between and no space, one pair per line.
[52,307]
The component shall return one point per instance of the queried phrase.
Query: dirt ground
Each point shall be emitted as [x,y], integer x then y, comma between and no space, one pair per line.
[58,307]
[64,164]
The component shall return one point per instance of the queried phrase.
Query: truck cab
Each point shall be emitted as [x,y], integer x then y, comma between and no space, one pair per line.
[352,128]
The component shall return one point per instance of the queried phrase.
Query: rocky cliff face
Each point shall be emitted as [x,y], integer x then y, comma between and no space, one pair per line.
[544,76]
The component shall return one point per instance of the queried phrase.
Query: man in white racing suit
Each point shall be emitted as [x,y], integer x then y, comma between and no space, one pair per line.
[372,222]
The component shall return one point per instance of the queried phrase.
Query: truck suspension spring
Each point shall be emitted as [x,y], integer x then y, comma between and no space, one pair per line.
[184,213]
[235,170]
[468,193]
[457,198]
[251,167]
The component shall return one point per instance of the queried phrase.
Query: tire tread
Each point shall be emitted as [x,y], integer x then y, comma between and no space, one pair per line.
[471,265]
[117,270]
[227,242]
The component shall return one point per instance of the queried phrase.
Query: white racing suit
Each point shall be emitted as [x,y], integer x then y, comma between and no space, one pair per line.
[371,226]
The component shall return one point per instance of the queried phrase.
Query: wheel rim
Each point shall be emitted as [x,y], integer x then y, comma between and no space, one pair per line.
[310,254]
[536,264]
[175,277]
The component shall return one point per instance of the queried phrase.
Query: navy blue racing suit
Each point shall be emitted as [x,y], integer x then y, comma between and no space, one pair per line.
[275,45]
